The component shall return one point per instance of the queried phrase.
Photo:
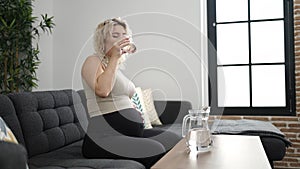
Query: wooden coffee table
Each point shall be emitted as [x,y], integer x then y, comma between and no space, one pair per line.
[228,152]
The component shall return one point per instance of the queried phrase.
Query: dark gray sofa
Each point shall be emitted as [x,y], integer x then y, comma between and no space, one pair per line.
[46,123]
[51,126]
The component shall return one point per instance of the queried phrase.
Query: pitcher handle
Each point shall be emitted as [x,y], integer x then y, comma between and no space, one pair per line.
[184,129]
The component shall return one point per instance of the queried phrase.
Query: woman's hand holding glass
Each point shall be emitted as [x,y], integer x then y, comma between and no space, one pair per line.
[130,48]
[117,50]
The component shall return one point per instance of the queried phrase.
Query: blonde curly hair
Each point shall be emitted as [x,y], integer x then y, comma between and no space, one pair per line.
[104,30]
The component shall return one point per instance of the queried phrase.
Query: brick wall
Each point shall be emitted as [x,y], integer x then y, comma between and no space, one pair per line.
[288,125]
[291,125]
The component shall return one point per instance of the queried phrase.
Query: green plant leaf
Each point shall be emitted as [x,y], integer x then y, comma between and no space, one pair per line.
[12,23]
[3,22]
[19,60]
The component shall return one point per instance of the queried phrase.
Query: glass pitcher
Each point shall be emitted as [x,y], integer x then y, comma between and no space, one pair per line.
[196,131]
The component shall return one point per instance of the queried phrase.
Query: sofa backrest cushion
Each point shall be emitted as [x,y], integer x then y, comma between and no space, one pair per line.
[172,111]
[49,119]
[8,114]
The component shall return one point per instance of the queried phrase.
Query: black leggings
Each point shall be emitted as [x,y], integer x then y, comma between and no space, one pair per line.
[121,135]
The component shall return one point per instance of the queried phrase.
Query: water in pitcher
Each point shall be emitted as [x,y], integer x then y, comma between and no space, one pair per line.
[199,139]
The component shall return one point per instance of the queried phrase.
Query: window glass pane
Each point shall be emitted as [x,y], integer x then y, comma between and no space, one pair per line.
[266,9]
[232,43]
[233,86]
[268,86]
[231,10]
[267,42]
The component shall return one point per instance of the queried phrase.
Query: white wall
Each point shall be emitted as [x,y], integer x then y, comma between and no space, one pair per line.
[167,34]
[45,70]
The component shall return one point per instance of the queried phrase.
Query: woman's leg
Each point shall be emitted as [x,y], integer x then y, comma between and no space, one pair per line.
[143,150]
[118,135]
[127,122]
[166,138]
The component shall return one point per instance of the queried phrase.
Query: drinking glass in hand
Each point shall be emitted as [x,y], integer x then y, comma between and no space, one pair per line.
[131,48]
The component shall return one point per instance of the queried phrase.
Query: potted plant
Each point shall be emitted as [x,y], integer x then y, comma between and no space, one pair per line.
[18,55]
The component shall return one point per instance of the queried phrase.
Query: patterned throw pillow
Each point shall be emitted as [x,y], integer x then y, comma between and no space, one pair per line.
[137,100]
[5,133]
[150,108]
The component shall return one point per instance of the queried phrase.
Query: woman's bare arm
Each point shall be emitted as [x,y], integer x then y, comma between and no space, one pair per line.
[99,78]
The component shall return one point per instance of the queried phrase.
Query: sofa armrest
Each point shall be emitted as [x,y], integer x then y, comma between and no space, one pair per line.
[12,156]
[172,111]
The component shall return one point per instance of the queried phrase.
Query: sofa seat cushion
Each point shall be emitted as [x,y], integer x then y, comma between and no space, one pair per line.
[70,157]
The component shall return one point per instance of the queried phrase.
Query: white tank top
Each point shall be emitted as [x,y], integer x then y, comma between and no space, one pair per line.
[118,99]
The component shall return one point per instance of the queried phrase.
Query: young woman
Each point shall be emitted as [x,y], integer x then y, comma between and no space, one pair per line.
[116,128]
